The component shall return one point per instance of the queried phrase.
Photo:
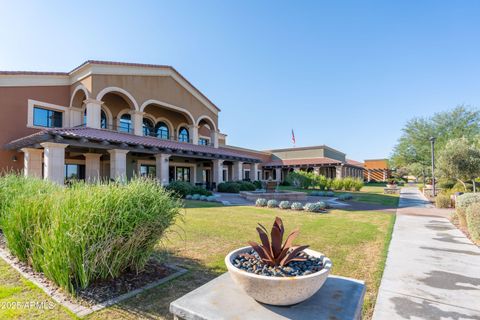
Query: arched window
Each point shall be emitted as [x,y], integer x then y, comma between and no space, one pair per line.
[161,130]
[147,127]
[103,119]
[125,123]
[183,135]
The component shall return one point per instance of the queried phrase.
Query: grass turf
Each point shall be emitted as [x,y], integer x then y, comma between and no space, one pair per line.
[356,242]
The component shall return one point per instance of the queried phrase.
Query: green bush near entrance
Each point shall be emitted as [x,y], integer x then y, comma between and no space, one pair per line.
[183,189]
[311,180]
[84,233]
[236,186]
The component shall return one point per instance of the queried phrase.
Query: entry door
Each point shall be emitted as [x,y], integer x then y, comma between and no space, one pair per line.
[207,176]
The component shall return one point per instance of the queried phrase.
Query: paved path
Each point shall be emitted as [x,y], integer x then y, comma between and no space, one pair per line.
[432,269]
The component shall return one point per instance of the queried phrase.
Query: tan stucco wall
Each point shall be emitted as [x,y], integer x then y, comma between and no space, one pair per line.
[161,88]
[307,153]
[14,109]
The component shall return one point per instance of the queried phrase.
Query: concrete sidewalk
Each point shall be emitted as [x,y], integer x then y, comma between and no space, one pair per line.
[432,269]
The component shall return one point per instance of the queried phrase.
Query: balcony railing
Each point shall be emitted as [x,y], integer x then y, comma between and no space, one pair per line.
[147,133]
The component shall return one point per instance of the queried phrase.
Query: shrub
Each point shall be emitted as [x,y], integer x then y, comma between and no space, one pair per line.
[261,202]
[322,205]
[258,184]
[446,184]
[188,197]
[297,206]
[211,199]
[330,194]
[462,203]
[196,197]
[473,221]
[228,187]
[180,188]
[272,203]
[203,198]
[345,197]
[284,205]
[442,201]
[183,189]
[85,233]
[313,207]
[358,184]
[246,186]
[318,193]
[337,184]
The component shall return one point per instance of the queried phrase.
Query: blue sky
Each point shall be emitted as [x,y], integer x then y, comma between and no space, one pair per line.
[345,74]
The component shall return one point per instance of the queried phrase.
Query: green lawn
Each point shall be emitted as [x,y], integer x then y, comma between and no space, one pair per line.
[355,241]
[369,194]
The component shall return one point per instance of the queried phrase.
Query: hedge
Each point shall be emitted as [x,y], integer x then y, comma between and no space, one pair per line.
[84,233]
[236,186]
[462,203]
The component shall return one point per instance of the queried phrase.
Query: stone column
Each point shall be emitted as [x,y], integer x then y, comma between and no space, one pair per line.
[162,164]
[193,133]
[237,171]
[339,172]
[278,174]
[32,162]
[253,171]
[54,160]
[118,164]
[76,117]
[94,113]
[217,169]
[384,175]
[137,122]
[92,167]
[214,138]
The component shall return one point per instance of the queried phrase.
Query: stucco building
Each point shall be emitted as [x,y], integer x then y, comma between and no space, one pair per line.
[109,120]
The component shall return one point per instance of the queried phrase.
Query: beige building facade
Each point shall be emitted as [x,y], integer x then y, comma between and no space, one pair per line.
[108,120]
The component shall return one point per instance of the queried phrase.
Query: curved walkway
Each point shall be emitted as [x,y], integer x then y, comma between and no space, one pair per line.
[432,269]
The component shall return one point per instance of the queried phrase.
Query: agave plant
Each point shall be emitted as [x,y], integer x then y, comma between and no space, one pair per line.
[274,253]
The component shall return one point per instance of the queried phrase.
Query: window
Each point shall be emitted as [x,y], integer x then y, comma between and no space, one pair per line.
[147,127]
[148,171]
[103,119]
[125,123]
[183,174]
[247,175]
[183,135]
[203,141]
[161,131]
[47,118]
[74,172]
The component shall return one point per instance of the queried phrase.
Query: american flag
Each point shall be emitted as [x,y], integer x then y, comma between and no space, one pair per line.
[293,137]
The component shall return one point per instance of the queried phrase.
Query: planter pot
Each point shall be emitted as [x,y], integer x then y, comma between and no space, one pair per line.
[391,186]
[278,291]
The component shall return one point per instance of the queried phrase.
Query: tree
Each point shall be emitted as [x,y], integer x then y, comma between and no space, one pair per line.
[413,146]
[460,160]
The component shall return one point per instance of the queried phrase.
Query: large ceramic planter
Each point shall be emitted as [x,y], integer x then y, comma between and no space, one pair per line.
[279,291]
[391,186]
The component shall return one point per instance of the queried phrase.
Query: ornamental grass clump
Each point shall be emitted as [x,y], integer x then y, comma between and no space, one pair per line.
[272,203]
[284,205]
[298,206]
[84,233]
[261,202]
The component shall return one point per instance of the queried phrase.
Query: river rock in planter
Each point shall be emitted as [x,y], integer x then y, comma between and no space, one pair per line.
[280,289]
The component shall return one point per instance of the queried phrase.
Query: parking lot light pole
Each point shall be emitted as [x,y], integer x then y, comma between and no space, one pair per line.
[432,142]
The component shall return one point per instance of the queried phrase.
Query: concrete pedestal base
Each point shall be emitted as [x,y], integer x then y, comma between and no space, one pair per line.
[339,298]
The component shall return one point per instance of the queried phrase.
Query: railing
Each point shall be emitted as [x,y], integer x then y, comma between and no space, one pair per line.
[129,129]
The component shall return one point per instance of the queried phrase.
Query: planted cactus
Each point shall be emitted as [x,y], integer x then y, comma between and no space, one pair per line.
[272,203]
[261,202]
[284,205]
[297,206]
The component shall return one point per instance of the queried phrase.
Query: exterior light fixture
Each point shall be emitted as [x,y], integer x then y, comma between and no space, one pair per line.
[14,159]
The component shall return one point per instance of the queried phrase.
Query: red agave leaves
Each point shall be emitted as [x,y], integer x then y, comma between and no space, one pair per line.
[272,252]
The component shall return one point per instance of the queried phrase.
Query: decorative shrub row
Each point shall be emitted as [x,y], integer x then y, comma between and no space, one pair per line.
[202,198]
[236,186]
[84,233]
[442,201]
[322,193]
[298,206]
[308,180]
[345,197]
[463,202]
[183,189]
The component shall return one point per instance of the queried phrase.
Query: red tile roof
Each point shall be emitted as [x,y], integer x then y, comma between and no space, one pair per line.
[114,137]
[355,163]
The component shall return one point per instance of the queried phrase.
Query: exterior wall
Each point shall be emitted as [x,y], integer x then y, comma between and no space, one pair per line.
[161,88]
[314,152]
[14,109]
[376,164]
